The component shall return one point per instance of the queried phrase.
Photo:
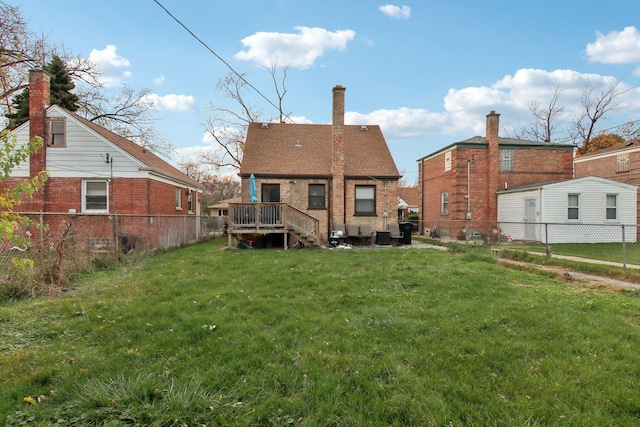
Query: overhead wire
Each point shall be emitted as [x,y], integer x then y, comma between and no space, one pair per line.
[244,80]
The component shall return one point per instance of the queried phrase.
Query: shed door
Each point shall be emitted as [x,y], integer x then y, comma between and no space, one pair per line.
[529,219]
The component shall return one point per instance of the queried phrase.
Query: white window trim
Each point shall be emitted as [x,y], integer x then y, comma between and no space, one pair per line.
[447,160]
[574,207]
[84,196]
[64,132]
[178,198]
[444,203]
[607,207]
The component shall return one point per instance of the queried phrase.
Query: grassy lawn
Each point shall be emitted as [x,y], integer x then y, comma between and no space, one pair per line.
[600,251]
[205,336]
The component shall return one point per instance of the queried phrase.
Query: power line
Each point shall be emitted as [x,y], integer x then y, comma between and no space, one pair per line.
[355,167]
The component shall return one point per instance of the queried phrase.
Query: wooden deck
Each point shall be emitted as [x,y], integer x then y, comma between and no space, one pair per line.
[263,219]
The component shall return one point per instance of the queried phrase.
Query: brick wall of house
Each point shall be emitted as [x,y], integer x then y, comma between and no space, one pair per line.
[482,165]
[127,196]
[386,201]
[607,167]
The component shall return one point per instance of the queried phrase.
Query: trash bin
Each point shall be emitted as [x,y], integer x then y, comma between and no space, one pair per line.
[383,238]
[406,228]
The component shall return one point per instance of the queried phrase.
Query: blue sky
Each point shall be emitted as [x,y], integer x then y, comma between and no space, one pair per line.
[426,71]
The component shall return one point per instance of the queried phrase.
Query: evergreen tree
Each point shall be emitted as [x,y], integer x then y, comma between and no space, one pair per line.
[61,87]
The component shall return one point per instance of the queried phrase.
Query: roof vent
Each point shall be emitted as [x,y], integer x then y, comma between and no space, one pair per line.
[364,127]
[265,126]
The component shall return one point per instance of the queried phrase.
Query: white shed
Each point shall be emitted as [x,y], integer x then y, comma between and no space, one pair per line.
[580,210]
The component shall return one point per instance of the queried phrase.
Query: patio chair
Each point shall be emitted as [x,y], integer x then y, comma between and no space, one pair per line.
[366,233]
[339,231]
[352,231]
[396,234]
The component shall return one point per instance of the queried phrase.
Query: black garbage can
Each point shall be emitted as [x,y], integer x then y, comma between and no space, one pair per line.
[406,228]
[383,238]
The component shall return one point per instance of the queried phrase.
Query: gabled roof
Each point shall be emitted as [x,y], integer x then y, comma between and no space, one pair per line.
[153,163]
[482,142]
[304,150]
[409,195]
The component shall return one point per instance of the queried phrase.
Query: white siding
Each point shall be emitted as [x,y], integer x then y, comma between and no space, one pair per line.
[511,214]
[591,225]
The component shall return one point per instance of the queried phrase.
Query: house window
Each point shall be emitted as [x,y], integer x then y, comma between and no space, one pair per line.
[444,203]
[506,160]
[95,197]
[447,161]
[573,206]
[612,206]
[178,198]
[316,196]
[365,199]
[57,133]
[622,162]
[190,201]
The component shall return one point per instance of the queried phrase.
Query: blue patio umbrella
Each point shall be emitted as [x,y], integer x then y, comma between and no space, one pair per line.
[253,198]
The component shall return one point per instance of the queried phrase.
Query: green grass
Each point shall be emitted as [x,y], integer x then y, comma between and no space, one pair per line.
[598,251]
[205,336]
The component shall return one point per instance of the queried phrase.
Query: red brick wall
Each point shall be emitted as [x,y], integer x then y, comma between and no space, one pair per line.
[530,166]
[128,196]
[606,167]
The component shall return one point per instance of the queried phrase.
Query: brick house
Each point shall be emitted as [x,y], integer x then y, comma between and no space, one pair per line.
[93,170]
[619,163]
[334,173]
[100,183]
[408,201]
[459,182]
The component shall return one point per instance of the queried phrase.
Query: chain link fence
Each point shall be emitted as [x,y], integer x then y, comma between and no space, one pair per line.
[607,244]
[62,244]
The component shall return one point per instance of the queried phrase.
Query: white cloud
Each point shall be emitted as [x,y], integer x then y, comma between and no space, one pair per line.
[465,109]
[298,50]
[616,47]
[397,12]
[171,102]
[159,80]
[402,122]
[112,65]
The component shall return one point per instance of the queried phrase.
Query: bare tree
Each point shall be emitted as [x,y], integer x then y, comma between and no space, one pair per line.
[548,119]
[595,107]
[128,113]
[227,126]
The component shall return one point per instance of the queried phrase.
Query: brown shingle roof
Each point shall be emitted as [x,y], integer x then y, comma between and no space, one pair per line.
[272,151]
[152,161]
[409,195]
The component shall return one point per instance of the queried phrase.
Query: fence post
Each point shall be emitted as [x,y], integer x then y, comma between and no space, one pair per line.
[547,249]
[116,241]
[41,238]
[624,250]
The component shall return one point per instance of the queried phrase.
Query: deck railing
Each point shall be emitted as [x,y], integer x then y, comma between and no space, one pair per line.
[262,216]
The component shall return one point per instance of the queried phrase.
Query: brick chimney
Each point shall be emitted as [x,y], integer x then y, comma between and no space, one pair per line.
[337,158]
[39,100]
[493,156]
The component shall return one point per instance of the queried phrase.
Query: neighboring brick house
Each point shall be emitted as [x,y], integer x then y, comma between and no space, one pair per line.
[408,201]
[93,170]
[336,173]
[619,163]
[459,182]
[102,188]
